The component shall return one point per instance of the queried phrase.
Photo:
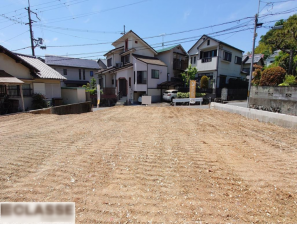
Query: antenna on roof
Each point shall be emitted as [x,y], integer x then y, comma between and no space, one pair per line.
[163,39]
[124,31]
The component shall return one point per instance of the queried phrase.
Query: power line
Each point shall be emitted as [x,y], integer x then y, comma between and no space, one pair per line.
[89,14]
[21,49]
[17,36]
[80,30]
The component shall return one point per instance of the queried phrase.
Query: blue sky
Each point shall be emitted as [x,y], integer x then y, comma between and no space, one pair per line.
[145,17]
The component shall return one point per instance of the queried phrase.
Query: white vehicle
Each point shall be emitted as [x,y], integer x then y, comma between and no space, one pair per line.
[169,95]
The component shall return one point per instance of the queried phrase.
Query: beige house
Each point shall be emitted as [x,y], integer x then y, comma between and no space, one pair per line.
[24,75]
[132,70]
[176,59]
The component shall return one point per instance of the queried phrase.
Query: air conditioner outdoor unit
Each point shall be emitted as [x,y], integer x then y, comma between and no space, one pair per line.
[119,65]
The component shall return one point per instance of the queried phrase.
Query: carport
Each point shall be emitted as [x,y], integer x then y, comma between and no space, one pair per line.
[165,85]
[6,80]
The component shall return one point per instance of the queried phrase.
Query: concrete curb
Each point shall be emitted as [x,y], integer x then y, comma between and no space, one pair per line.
[282,120]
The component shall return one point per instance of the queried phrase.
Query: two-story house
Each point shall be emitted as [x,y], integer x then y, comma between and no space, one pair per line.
[176,59]
[132,69]
[77,71]
[217,60]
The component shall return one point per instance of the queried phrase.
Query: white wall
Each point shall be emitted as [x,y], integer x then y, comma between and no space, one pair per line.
[73,73]
[10,66]
[153,83]
[230,69]
[167,58]
[73,95]
[206,66]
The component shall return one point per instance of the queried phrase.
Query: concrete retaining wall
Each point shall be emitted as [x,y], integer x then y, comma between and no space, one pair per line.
[66,109]
[282,120]
[274,99]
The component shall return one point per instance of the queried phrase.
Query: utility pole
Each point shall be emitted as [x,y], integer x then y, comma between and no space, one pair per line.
[30,25]
[39,41]
[253,54]
[124,30]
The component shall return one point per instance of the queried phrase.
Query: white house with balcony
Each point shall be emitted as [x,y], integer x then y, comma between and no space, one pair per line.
[217,60]
[132,70]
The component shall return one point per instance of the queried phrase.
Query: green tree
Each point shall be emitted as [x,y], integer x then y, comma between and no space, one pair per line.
[284,39]
[189,74]
[91,87]
[204,82]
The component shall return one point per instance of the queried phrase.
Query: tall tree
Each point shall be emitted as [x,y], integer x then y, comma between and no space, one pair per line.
[284,39]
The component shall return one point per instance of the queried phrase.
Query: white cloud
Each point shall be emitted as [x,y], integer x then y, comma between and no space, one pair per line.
[55,39]
[87,20]
[187,14]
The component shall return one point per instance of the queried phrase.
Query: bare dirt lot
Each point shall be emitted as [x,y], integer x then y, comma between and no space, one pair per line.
[152,165]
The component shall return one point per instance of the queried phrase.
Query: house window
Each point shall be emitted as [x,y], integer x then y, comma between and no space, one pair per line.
[125,59]
[194,59]
[141,77]
[91,74]
[129,81]
[79,74]
[109,62]
[191,60]
[208,42]
[64,71]
[155,74]
[14,90]
[227,56]
[27,91]
[112,81]
[2,90]
[238,60]
[84,74]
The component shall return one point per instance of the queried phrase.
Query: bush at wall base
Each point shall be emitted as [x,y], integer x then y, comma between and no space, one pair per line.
[38,101]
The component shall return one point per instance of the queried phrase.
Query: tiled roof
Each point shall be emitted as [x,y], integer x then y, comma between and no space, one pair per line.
[70,62]
[139,38]
[149,60]
[45,71]
[257,58]
[166,49]
[216,41]
[7,78]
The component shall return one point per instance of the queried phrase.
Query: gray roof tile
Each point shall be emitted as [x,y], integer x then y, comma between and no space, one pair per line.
[71,62]
[45,71]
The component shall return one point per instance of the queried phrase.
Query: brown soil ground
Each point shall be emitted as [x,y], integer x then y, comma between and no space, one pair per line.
[152,165]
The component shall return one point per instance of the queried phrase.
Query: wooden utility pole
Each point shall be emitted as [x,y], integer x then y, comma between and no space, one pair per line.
[253,54]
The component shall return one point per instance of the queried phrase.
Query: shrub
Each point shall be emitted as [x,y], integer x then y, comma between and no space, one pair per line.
[289,80]
[187,95]
[272,76]
[204,82]
[257,75]
[38,101]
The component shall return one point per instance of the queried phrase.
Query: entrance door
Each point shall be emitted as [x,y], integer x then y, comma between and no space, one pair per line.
[123,86]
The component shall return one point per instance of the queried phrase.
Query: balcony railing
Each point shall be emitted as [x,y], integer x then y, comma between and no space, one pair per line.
[180,64]
[205,60]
